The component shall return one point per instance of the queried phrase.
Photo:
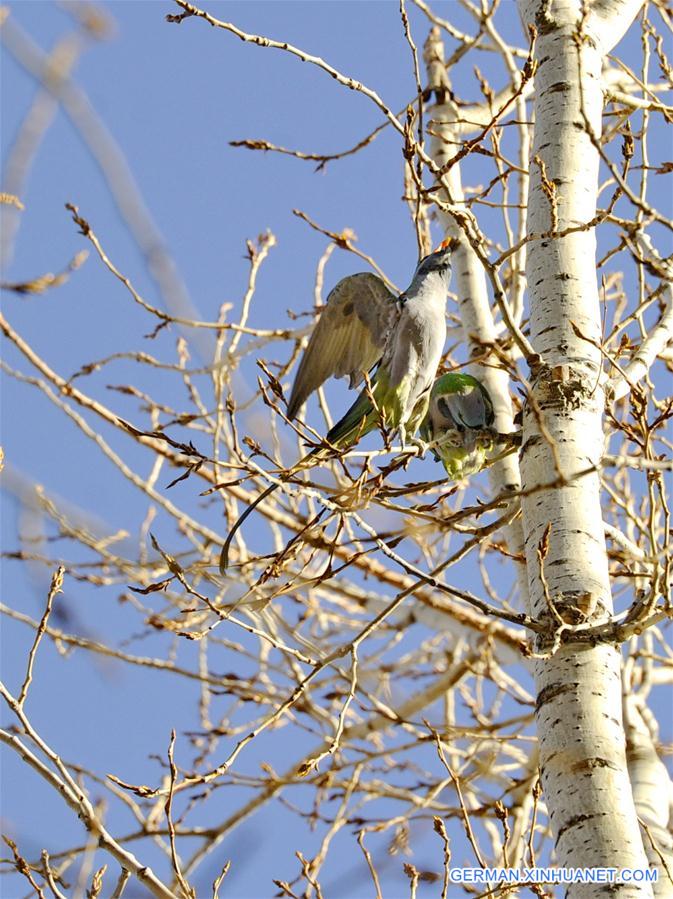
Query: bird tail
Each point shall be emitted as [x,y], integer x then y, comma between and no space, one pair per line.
[224,555]
[315,454]
[362,417]
[358,421]
[378,402]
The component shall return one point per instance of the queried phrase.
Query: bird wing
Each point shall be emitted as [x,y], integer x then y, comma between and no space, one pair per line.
[350,336]
[467,402]
[469,407]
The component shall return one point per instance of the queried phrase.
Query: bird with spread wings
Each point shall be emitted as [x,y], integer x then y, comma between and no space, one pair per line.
[363,325]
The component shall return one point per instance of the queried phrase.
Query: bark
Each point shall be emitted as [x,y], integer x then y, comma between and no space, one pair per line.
[579,714]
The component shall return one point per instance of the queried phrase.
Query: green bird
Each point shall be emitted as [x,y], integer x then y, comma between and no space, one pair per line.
[362,324]
[459,425]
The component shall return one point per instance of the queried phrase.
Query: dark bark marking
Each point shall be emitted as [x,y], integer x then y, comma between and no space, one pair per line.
[591,764]
[547,694]
[573,822]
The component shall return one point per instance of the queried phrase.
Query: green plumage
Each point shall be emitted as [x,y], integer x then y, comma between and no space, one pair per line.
[459,424]
[388,407]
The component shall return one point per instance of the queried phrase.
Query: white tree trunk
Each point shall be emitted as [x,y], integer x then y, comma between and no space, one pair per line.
[579,713]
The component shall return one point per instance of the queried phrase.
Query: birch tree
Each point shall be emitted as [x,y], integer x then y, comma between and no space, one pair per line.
[578,689]
[420,676]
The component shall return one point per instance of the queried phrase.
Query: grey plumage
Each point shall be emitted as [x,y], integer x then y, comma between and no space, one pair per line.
[364,323]
[349,338]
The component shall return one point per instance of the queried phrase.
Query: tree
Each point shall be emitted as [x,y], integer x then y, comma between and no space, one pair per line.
[464,674]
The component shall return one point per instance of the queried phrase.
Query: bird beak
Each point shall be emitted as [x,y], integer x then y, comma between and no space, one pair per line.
[449,243]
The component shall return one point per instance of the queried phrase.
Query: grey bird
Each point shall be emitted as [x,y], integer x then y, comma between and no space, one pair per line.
[362,324]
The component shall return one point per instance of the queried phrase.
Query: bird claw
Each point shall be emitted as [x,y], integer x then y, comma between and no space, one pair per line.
[421,445]
[411,447]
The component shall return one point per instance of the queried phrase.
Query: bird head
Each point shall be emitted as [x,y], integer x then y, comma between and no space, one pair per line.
[439,260]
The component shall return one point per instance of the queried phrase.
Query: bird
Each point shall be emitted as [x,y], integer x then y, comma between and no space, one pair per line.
[458,426]
[362,325]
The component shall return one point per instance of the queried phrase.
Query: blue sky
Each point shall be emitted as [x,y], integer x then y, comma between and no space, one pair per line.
[172,97]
